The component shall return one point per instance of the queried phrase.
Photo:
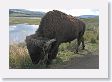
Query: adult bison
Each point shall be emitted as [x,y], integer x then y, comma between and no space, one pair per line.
[55,28]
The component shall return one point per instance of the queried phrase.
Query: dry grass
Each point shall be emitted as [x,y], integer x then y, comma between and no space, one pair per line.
[20,59]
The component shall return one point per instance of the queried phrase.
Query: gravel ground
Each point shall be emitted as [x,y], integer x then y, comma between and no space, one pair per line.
[88,61]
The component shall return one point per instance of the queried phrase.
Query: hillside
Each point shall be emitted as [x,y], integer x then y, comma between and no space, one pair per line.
[25,13]
[88,16]
[28,13]
[91,23]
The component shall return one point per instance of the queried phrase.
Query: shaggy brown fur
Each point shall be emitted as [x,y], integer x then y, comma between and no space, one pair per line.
[35,47]
[38,48]
[62,27]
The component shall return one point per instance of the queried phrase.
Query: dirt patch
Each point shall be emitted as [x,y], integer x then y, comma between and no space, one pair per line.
[88,61]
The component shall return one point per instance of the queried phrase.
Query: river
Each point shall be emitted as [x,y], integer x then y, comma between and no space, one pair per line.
[18,33]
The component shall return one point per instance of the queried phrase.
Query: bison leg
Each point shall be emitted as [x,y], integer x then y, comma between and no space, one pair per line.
[78,44]
[52,54]
[83,45]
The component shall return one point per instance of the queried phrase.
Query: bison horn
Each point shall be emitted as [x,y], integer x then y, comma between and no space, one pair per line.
[49,42]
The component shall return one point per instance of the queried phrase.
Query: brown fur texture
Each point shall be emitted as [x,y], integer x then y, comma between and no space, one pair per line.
[62,27]
[38,48]
[35,47]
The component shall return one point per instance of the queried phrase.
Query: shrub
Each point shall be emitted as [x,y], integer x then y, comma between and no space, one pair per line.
[93,40]
[97,37]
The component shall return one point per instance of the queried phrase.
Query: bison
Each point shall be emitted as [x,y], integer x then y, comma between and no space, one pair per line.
[55,28]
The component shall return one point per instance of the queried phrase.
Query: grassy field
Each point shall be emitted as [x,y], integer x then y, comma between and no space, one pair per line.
[21,20]
[19,57]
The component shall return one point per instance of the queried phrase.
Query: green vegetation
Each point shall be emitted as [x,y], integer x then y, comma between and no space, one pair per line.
[20,59]
[91,23]
[20,20]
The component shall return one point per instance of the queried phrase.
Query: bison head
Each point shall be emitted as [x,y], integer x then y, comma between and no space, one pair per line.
[38,48]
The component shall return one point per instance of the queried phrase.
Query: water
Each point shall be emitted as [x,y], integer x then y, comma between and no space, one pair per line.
[18,33]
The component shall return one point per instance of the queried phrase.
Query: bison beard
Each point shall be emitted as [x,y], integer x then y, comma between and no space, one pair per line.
[55,25]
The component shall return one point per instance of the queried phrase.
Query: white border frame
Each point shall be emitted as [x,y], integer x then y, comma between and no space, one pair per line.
[102,72]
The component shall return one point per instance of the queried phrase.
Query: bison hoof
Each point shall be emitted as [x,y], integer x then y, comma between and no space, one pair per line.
[83,48]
